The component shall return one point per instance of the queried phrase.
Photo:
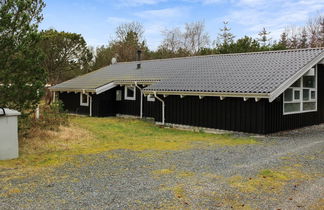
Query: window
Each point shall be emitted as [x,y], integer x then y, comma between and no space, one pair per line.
[302,95]
[150,98]
[118,95]
[130,93]
[84,99]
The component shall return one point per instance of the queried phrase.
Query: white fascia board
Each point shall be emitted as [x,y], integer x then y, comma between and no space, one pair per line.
[277,92]
[70,90]
[105,88]
[321,62]
[203,94]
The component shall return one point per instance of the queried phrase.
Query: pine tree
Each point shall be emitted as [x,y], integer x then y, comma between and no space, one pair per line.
[303,39]
[284,40]
[264,37]
[224,39]
[226,36]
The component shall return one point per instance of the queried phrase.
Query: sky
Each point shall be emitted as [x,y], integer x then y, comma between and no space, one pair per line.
[97,20]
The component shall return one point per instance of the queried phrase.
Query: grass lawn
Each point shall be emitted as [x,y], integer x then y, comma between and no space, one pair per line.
[87,135]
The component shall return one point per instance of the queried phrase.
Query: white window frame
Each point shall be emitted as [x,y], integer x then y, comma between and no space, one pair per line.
[150,98]
[81,101]
[126,97]
[301,97]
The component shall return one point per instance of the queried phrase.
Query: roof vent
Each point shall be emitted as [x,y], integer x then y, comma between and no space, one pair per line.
[139,52]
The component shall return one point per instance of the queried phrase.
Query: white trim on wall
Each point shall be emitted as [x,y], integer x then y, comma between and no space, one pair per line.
[126,97]
[81,101]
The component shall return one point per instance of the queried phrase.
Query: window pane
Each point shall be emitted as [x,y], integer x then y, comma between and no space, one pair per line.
[84,98]
[313,94]
[296,84]
[296,94]
[309,106]
[309,81]
[130,92]
[292,107]
[288,96]
[305,94]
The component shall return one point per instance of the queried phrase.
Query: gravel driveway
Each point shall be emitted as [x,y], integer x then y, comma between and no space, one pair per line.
[282,171]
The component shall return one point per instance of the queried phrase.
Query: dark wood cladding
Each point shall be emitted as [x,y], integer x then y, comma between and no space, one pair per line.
[228,114]
[104,104]
[71,103]
[128,107]
[152,109]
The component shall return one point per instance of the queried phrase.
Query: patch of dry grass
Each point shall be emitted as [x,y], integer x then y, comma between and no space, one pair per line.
[87,135]
[270,181]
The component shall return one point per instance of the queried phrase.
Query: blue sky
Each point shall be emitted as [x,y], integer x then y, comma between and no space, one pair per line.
[96,20]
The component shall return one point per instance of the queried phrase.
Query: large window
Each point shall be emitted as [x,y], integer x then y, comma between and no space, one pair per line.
[302,95]
[84,99]
[130,93]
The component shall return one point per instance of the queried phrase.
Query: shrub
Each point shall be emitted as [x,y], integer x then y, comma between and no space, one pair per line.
[51,117]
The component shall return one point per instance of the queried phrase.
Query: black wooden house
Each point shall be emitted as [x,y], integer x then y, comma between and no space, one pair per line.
[262,92]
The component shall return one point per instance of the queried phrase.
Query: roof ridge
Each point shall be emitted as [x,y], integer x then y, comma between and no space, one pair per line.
[229,54]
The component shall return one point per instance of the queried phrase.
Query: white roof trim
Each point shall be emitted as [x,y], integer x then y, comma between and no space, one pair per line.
[321,62]
[105,88]
[277,92]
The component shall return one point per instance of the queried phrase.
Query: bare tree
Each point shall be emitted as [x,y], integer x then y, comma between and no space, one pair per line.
[134,27]
[315,31]
[172,40]
[191,40]
[195,37]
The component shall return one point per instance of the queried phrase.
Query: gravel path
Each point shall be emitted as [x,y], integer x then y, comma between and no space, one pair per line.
[213,178]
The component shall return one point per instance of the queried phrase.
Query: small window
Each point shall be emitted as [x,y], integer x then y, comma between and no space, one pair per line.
[150,98]
[118,95]
[84,99]
[305,94]
[313,94]
[130,93]
[292,107]
[289,95]
[309,81]
[296,94]
[296,84]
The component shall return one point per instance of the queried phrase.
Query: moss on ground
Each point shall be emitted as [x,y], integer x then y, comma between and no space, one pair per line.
[269,181]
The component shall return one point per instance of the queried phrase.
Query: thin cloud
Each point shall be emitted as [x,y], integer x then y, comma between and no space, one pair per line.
[117,20]
[161,13]
[134,3]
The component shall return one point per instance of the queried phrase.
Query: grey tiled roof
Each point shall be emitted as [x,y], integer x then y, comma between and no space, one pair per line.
[260,72]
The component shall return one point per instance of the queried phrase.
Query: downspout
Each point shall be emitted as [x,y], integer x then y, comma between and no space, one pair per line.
[90,104]
[54,96]
[141,103]
[163,107]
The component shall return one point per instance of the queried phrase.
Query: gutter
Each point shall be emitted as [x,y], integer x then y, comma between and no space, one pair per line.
[163,107]
[141,105]
[190,93]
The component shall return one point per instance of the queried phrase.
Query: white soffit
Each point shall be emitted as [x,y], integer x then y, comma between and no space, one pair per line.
[105,88]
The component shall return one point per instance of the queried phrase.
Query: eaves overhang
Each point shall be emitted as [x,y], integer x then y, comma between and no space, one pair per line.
[256,96]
